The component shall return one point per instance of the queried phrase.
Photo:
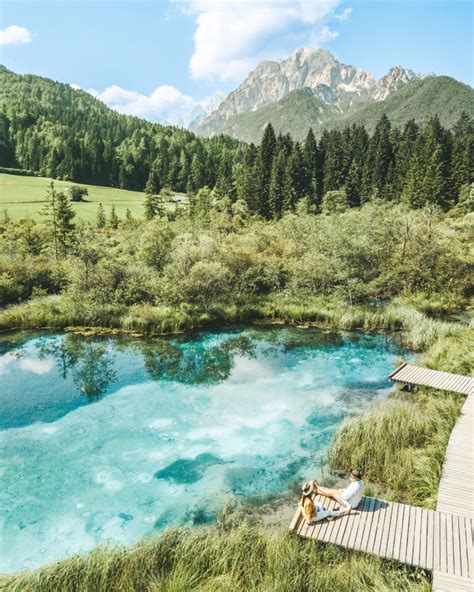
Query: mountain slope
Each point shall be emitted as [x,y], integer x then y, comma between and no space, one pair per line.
[300,110]
[63,133]
[329,80]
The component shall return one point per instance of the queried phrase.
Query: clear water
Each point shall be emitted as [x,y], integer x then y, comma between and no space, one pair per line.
[107,440]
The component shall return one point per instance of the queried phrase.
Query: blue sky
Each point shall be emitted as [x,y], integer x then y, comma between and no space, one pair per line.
[158,59]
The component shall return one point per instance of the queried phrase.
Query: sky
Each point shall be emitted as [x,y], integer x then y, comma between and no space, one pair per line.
[162,59]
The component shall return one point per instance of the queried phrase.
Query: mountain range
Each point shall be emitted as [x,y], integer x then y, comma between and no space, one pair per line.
[311,88]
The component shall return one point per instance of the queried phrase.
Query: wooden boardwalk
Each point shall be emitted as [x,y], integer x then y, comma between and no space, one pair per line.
[430,539]
[456,491]
[441,540]
[418,376]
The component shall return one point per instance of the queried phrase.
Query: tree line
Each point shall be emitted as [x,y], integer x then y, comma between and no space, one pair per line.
[63,133]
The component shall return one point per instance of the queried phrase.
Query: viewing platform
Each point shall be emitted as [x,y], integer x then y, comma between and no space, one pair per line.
[440,540]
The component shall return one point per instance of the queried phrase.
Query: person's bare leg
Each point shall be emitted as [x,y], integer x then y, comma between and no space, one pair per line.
[328,492]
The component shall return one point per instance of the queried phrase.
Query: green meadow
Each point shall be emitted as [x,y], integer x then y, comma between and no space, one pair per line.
[23,197]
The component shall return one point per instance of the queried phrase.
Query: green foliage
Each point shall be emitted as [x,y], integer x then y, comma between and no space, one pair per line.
[101,220]
[335,202]
[77,193]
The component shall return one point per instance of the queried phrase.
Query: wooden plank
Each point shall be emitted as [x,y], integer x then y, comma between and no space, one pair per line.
[430,539]
[404,534]
[380,528]
[437,541]
[410,542]
[456,545]
[443,582]
[351,541]
[358,524]
[370,527]
[362,543]
[443,563]
[387,527]
[394,525]
[417,537]
[398,533]
[449,543]
[422,561]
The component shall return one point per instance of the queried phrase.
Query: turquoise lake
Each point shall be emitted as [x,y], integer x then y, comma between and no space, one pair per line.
[105,440]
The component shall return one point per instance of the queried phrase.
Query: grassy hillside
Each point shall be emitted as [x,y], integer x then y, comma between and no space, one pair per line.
[24,197]
[300,110]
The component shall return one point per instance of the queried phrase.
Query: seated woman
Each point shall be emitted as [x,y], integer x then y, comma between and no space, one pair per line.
[314,512]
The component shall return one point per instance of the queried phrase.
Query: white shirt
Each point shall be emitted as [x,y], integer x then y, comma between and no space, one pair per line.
[353,493]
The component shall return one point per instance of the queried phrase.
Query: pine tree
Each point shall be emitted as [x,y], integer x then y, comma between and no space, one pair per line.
[153,184]
[311,158]
[114,220]
[462,159]
[437,170]
[267,152]
[277,185]
[65,226]
[333,177]
[50,212]
[294,180]
[354,184]
[225,182]
[248,181]
[100,220]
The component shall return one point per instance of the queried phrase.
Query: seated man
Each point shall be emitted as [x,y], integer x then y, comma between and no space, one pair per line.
[348,498]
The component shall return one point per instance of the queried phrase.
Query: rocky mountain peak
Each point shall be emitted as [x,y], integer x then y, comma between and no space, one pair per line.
[394,79]
[330,81]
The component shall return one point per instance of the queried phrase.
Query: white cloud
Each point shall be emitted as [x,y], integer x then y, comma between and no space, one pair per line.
[165,104]
[14,35]
[231,35]
[75,86]
[344,15]
[323,36]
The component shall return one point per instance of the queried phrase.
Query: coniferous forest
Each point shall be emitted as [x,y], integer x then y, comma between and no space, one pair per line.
[50,129]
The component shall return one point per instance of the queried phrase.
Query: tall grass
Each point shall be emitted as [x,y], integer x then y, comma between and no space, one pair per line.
[399,445]
[211,560]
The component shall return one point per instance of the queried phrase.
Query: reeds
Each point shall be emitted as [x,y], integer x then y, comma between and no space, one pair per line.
[210,560]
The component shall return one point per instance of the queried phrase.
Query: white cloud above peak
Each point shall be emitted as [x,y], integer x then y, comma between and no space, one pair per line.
[15,35]
[232,36]
[166,104]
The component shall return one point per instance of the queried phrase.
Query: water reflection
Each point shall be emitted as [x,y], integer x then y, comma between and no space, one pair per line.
[195,363]
[90,362]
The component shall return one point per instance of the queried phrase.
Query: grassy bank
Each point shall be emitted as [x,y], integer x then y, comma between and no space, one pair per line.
[217,560]
[59,312]
[400,445]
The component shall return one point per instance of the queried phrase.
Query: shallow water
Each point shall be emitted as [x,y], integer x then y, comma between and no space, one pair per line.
[107,440]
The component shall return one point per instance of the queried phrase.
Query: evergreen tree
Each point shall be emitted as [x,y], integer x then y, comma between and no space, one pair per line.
[153,184]
[114,220]
[248,181]
[333,176]
[100,220]
[225,182]
[437,185]
[50,212]
[311,160]
[277,185]
[462,160]
[267,152]
[354,184]
[294,180]
[65,226]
